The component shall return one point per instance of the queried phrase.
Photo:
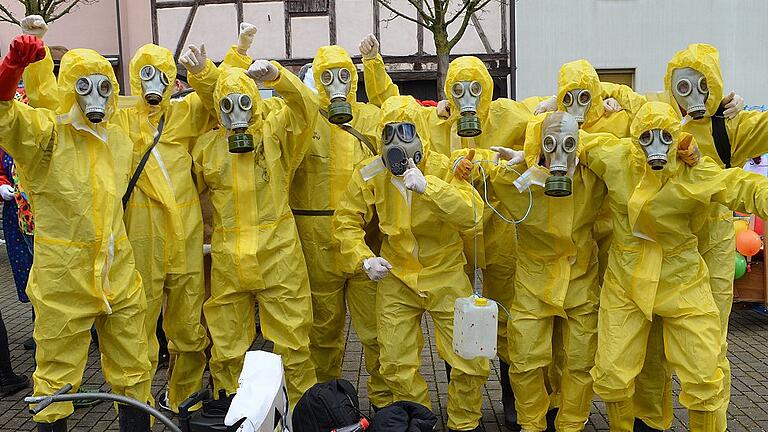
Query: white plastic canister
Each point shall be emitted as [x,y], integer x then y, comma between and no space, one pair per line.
[475,326]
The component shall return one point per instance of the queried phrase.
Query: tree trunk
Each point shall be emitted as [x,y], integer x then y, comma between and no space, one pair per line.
[443,52]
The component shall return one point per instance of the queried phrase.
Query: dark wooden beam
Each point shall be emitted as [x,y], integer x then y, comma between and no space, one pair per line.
[420,31]
[155,32]
[287,13]
[185,31]
[189,3]
[239,6]
[483,38]
[504,29]
[332,21]
[376,20]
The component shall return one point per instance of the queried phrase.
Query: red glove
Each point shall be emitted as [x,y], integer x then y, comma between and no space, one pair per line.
[25,49]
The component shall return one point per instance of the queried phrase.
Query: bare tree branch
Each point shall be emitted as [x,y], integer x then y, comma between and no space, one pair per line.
[7,16]
[385,3]
[478,4]
[424,16]
[66,10]
[464,7]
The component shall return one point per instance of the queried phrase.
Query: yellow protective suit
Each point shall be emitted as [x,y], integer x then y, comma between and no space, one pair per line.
[503,122]
[656,272]
[423,245]
[255,247]
[748,136]
[162,218]
[556,287]
[316,190]
[75,174]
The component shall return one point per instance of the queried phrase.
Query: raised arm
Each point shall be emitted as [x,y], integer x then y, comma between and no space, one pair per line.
[295,120]
[734,188]
[39,80]
[25,132]
[354,212]
[378,85]
[748,133]
[627,98]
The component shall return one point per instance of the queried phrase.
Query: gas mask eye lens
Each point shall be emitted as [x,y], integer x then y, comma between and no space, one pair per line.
[549,143]
[326,78]
[147,73]
[703,86]
[585,97]
[344,75]
[105,87]
[646,138]
[83,86]
[569,145]
[666,137]
[457,90]
[387,134]
[406,132]
[683,87]
[568,99]
[245,102]
[226,105]
[164,79]
[475,88]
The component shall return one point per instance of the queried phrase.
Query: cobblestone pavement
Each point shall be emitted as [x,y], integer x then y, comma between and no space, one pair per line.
[748,353]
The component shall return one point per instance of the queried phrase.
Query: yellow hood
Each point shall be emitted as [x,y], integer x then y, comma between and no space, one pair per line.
[469,68]
[657,115]
[705,59]
[162,59]
[234,80]
[82,62]
[580,74]
[405,109]
[329,57]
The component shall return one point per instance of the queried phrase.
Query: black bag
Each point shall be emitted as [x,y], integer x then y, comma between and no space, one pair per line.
[327,406]
[404,417]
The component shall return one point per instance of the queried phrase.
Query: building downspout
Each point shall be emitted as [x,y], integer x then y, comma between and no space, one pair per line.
[512,88]
[120,48]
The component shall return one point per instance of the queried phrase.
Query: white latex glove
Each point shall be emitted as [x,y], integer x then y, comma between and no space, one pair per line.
[611,105]
[733,104]
[194,59]
[263,70]
[546,105]
[444,109]
[513,157]
[245,38]
[7,192]
[414,179]
[376,268]
[369,47]
[34,25]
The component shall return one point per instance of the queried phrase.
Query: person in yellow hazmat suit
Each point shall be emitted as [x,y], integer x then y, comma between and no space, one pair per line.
[247,165]
[694,87]
[475,121]
[161,206]
[421,209]
[75,165]
[320,181]
[655,271]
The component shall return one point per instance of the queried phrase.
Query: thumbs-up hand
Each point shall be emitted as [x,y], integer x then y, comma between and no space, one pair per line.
[463,167]
[414,179]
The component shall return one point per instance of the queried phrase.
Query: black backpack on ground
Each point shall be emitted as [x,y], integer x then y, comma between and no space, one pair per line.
[404,416]
[327,406]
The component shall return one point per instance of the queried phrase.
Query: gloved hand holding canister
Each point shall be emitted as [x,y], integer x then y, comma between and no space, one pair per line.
[414,179]
[25,49]
[377,268]
[513,157]
[463,167]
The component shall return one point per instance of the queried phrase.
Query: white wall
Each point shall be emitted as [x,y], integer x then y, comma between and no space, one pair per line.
[643,34]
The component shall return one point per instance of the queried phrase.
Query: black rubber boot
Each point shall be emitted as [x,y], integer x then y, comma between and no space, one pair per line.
[551,416]
[57,426]
[508,398]
[132,419]
[9,382]
[640,426]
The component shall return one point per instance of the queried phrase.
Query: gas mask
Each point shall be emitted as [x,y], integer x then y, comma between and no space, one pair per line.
[559,138]
[655,143]
[691,90]
[577,103]
[236,110]
[337,83]
[400,142]
[153,84]
[93,93]
[466,96]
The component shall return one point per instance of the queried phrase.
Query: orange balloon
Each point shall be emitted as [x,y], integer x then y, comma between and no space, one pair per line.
[748,243]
